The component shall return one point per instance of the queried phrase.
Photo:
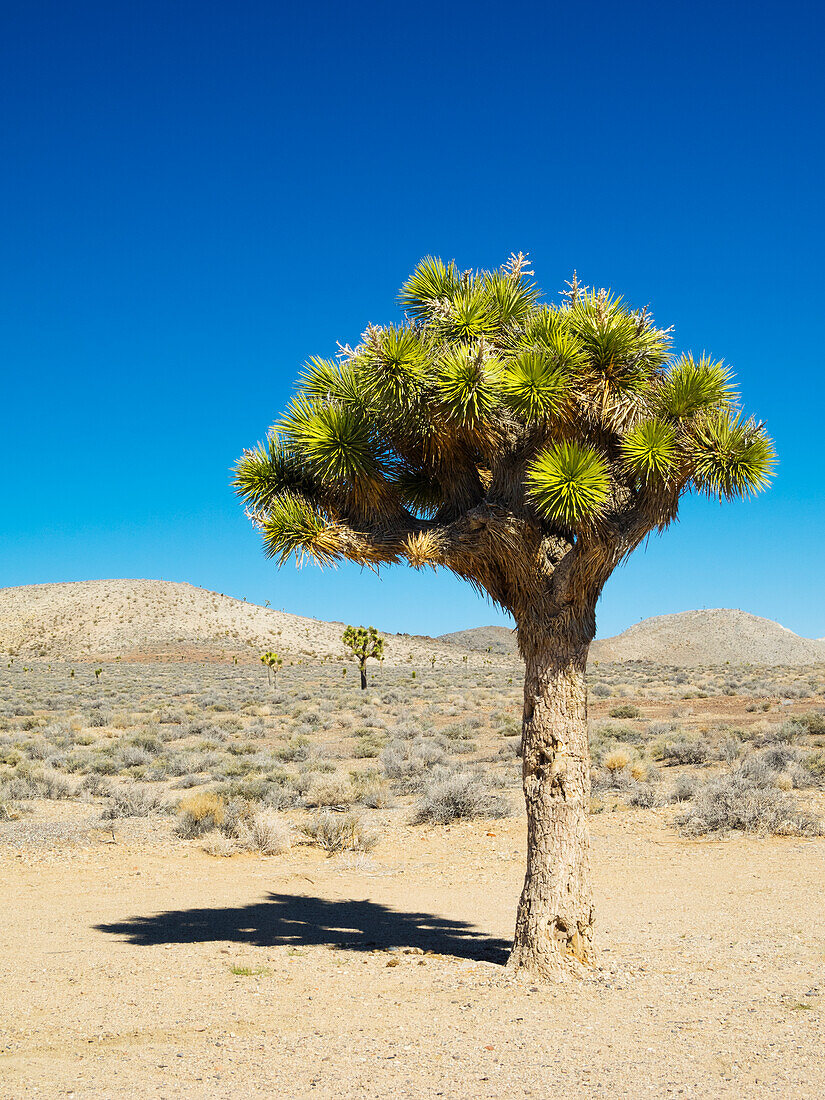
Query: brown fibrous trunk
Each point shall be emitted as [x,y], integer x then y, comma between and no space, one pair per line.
[554,925]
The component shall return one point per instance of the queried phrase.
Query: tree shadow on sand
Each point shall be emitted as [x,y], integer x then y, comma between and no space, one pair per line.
[299,920]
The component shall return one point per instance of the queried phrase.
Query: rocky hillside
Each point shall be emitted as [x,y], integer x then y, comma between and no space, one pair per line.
[133,618]
[689,638]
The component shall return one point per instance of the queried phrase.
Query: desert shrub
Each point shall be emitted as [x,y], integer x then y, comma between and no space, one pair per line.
[147,741]
[269,834]
[645,795]
[405,731]
[507,726]
[813,723]
[8,810]
[186,782]
[131,756]
[511,747]
[133,801]
[332,791]
[663,730]
[608,732]
[281,797]
[30,781]
[374,795]
[297,748]
[683,750]
[97,719]
[217,844]
[789,731]
[815,764]
[94,785]
[729,750]
[199,813]
[625,710]
[39,749]
[406,763]
[450,795]
[732,802]
[368,746]
[684,787]
[601,691]
[339,832]
[779,765]
[458,731]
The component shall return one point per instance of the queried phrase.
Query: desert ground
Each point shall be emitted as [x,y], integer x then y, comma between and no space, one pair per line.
[218,887]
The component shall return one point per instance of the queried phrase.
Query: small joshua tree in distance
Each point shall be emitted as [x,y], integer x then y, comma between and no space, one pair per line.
[273,662]
[529,447]
[365,642]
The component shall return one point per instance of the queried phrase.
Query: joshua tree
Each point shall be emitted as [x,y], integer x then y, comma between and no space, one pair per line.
[273,662]
[365,642]
[529,447]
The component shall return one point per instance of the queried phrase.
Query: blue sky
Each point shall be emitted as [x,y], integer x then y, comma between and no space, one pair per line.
[197,196]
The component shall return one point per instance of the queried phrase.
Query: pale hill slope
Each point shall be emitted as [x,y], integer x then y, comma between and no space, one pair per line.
[110,618]
[688,638]
[713,637]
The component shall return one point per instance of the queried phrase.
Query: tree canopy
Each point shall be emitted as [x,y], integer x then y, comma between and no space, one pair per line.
[500,435]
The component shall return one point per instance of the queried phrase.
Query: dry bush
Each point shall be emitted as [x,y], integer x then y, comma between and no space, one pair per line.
[133,801]
[267,833]
[331,792]
[450,795]
[616,761]
[199,813]
[684,787]
[218,844]
[683,750]
[645,795]
[340,832]
[624,710]
[733,802]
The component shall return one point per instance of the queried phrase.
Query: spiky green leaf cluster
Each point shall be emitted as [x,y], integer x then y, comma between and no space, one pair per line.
[569,482]
[571,418]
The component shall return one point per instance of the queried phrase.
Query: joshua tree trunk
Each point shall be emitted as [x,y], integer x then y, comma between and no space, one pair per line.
[363,668]
[554,926]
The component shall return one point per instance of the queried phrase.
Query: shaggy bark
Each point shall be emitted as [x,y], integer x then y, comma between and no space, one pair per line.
[554,925]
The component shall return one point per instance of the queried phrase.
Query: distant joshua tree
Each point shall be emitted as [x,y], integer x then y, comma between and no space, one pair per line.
[273,662]
[529,447]
[364,642]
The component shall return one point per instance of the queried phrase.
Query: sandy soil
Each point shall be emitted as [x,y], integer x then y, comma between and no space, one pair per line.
[382,976]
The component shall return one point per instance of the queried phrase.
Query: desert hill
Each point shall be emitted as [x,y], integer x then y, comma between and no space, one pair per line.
[128,618]
[688,638]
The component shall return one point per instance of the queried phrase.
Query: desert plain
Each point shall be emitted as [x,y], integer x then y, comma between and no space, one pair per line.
[218,886]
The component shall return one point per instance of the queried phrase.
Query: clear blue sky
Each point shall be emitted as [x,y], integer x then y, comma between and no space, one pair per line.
[197,196]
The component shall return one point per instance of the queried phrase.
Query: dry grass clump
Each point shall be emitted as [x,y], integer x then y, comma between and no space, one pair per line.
[199,813]
[616,761]
[234,826]
[340,832]
[269,833]
[330,791]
